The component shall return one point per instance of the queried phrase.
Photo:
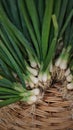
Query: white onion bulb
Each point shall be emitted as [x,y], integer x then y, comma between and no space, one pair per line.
[51,68]
[33,64]
[34,79]
[31,84]
[63,65]
[58,61]
[44,77]
[67,72]
[36,91]
[32,99]
[69,78]
[70,86]
[40,77]
[33,71]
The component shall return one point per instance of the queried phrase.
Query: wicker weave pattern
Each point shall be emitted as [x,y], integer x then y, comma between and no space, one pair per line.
[52,113]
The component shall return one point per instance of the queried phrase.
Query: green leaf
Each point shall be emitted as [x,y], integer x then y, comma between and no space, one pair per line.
[5,4]
[5,21]
[13,48]
[34,17]
[23,24]
[5,82]
[46,26]
[4,89]
[29,26]
[57,4]
[52,45]
[14,13]
[41,4]
[9,101]
[5,59]
[66,22]
[13,62]
[6,70]
[62,12]
[7,96]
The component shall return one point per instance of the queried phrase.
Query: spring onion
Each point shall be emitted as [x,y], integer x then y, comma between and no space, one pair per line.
[32,100]
[32,71]
[69,78]
[67,72]
[70,86]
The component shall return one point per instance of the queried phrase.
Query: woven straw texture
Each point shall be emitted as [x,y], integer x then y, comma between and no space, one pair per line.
[54,112]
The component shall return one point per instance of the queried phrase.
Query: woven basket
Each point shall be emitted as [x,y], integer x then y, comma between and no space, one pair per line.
[54,112]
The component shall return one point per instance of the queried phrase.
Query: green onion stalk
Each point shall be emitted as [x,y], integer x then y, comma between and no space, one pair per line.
[65,59]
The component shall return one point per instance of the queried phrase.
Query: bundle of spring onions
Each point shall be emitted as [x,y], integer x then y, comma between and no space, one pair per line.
[30,31]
